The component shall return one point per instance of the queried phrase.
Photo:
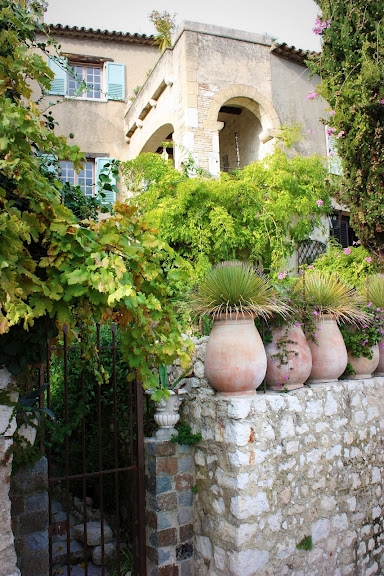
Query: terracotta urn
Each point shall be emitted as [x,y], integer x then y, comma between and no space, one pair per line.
[235,358]
[364,367]
[289,359]
[329,354]
[380,367]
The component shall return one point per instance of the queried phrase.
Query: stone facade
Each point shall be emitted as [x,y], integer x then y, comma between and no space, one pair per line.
[169,508]
[274,469]
[7,428]
[29,494]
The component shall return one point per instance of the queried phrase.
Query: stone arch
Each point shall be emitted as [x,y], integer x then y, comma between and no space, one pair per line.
[256,103]
[159,136]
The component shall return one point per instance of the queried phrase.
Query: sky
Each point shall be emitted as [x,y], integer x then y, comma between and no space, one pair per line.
[289,21]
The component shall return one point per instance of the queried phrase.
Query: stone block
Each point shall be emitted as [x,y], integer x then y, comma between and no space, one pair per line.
[93,533]
[158,485]
[184,551]
[185,515]
[109,552]
[185,465]
[183,482]
[185,498]
[163,502]
[167,465]
[186,532]
[167,537]
[168,570]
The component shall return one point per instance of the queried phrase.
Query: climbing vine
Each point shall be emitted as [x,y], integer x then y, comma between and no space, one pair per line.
[351,69]
[55,266]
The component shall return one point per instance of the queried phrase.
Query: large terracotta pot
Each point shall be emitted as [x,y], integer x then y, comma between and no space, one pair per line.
[329,354]
[289,359]
[380,367]
[364,367]
[235,359]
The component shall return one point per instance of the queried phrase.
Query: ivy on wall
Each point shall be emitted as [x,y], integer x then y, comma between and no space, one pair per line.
[351,68]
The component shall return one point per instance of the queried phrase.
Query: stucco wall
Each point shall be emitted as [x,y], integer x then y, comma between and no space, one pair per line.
[275,468]
[97,126]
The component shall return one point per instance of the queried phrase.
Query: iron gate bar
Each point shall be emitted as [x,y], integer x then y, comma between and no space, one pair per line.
[135,469]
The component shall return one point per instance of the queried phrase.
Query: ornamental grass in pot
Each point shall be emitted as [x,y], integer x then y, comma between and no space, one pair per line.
[329,302]
[375,295]
[365,344]
[234,294]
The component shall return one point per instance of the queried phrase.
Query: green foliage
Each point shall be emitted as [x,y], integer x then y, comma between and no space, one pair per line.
[359,341]
[353,265]
[352,82]
[55,266]
[258,213]
[164,378]
[164,23]
[236,288]
[305,543]
[185,435]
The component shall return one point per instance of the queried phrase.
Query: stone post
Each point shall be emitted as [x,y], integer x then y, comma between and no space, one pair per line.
[169,500]
[29,494]
[7,428]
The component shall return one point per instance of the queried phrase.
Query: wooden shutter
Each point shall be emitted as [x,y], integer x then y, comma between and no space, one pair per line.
[59,83]
[110,195]
[115,81]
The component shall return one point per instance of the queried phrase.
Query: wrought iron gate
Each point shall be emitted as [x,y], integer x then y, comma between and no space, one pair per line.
[95,454]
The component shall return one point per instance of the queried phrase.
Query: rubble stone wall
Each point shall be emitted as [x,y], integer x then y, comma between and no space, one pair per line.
[275,471]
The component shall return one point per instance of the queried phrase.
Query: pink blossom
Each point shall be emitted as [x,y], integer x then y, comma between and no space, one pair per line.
[330,131]
[331,153]
[347,251]
[368,259]
[382,101]
[282,275]
[312,95]
[319,202]
[310,267]
[315,313]
[340,134]
[332,112]
[321,25]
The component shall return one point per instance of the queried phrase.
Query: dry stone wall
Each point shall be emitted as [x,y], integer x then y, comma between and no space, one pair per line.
[274,470]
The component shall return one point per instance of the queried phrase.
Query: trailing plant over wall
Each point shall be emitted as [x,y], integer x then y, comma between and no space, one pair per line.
[55,267]
[258,213]
[351,69]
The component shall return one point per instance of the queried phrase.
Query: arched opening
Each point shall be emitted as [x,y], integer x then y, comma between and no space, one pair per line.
[239,138]
[161,142]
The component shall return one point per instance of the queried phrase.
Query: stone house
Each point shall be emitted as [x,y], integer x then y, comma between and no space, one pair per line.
[219,95]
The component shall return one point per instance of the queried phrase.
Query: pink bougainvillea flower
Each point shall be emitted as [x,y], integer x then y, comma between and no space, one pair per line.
[347,251]
[368,259]
[319,202]
[315,313]
[330,131]
[331,153]
[321,25]
[310,267]
[340,134]
[282,275]
[312,95]
[382,101]
[332,112]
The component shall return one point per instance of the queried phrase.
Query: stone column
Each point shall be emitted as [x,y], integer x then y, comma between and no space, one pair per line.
[169,499]
[29,493]
[7,428]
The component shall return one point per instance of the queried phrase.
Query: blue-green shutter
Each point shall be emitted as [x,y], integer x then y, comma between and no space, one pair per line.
[115,81]
[59,68]
[110,195]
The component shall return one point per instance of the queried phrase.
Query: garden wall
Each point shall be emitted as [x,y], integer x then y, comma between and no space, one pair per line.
[278,470]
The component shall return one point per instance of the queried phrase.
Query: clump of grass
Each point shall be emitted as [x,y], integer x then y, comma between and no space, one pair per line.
[305,544]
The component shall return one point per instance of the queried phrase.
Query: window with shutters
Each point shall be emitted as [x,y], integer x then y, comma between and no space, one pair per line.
[87,179]
[94,80]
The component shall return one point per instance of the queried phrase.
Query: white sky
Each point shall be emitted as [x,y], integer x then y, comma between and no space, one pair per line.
[289,21]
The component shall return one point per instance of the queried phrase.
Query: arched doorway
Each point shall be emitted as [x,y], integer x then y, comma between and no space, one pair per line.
[239,138]
[161,142]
